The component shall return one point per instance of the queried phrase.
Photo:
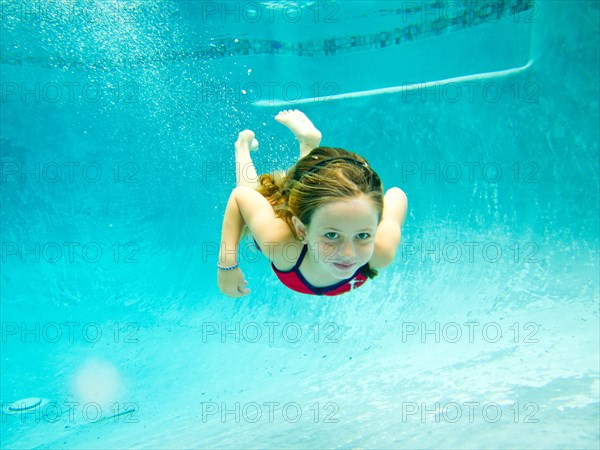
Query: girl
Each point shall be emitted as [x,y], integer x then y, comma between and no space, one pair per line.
[324,225]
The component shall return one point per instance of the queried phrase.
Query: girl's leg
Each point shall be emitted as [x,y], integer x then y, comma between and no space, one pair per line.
[304,130]
[245,172]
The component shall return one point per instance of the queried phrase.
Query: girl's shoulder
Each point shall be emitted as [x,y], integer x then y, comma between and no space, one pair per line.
[286,256]
[277,243]
[282,248]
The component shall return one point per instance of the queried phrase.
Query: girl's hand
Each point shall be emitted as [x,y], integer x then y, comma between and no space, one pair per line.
[232,282]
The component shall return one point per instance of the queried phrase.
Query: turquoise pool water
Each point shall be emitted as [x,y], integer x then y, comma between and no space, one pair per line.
[117,130]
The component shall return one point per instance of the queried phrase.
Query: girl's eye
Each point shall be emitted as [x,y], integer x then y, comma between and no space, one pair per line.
[364,236]
[331,235]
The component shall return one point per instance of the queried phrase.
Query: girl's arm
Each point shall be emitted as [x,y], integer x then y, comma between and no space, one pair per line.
[233,223]
[245,206]
[389,230]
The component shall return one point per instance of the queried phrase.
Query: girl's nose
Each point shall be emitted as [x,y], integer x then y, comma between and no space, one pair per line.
[347,249]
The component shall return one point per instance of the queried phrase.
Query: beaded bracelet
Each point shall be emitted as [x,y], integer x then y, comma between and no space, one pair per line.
[235,266]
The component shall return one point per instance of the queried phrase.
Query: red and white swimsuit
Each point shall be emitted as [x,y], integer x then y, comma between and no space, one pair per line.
[294,280]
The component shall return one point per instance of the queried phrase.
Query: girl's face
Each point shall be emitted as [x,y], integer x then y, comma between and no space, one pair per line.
[341,236]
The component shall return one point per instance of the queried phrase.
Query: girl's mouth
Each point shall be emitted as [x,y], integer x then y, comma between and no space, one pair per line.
[343,266]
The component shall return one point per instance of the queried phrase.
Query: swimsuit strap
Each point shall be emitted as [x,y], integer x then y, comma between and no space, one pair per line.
[300,258]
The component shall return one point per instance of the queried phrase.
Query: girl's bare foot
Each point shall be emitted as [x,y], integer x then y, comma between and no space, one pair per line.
[246,141]
[244,167]
[304,130]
